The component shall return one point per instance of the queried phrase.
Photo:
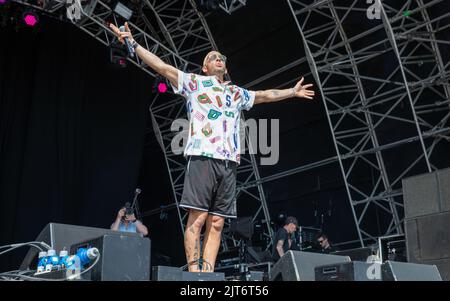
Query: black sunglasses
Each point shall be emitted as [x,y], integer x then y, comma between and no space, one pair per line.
[214,57]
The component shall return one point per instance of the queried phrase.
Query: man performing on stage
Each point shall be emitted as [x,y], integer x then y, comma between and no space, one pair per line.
[213,145]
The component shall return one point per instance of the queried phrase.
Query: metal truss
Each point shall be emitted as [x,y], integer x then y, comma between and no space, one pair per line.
[384,85]
[172,30]
[232,5]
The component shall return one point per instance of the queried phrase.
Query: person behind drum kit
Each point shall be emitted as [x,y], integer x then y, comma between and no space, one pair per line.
[282,241]
[127,222]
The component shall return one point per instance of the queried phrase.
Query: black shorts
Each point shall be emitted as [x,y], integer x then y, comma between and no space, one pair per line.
[210,186]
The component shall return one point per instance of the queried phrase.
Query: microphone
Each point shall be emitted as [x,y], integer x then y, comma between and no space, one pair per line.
[137,191]
[127,42]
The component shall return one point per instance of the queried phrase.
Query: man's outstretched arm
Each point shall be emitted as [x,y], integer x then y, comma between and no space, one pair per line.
[300,90]
[154,62]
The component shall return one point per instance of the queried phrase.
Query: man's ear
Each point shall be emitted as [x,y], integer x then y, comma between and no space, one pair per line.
[205,69]
[226,71]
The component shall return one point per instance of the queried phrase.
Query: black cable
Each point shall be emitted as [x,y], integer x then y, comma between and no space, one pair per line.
[200,262]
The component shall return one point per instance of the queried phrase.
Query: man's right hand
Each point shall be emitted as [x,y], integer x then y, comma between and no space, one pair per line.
[153,61]
[121,213]
[122,35]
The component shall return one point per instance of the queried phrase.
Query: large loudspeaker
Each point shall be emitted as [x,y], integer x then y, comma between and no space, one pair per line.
[300,266]
[428,237]
[163,273]
[427,194]
[421,195]
[427,219]
[444,188]
[60,236]
[402,271]
[122,258]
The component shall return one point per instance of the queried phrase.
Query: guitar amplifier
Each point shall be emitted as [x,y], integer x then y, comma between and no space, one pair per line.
[349,271]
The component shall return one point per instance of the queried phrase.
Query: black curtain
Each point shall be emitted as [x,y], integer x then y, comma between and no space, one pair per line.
[72,131]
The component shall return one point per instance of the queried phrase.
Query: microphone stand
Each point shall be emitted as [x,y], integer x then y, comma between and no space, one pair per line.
[135,205]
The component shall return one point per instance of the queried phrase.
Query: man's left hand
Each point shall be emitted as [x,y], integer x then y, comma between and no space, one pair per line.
[302,91]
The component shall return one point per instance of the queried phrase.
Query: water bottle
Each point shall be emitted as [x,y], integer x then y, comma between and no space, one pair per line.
[63,256]
[42,262]
[52,261]
[76,263]
[83,257]
[86,255]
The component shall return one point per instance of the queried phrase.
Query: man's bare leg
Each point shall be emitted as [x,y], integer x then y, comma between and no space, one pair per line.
[211,244]
[192,233]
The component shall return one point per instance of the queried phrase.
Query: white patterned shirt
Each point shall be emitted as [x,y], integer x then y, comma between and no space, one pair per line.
[214,115]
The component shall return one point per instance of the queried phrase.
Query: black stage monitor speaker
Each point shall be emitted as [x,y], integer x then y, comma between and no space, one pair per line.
[122,258]
[402,271]
[60,236]
[163,273]
[299,266]
[349,271]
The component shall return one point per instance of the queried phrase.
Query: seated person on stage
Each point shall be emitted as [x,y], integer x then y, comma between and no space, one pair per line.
[324,244]
[282,241]
[127,222]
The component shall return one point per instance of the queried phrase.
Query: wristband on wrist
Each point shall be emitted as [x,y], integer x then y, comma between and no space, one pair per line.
[134,44]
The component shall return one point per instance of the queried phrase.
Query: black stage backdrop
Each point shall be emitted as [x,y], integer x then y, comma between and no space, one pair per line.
[72,131]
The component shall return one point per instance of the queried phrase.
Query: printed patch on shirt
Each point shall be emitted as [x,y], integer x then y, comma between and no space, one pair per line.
[213,114]
[246,95]
[199,116]
[197,143]
[229,144]
[209,155]
[217,89]
[207,130]
[223,152]
[224,126]
[219,101]
[228,103]
[229,114]
[237,95]
[193,85]
[192,130]
[189,107]
[204,99]
[215,139]
[207,83]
